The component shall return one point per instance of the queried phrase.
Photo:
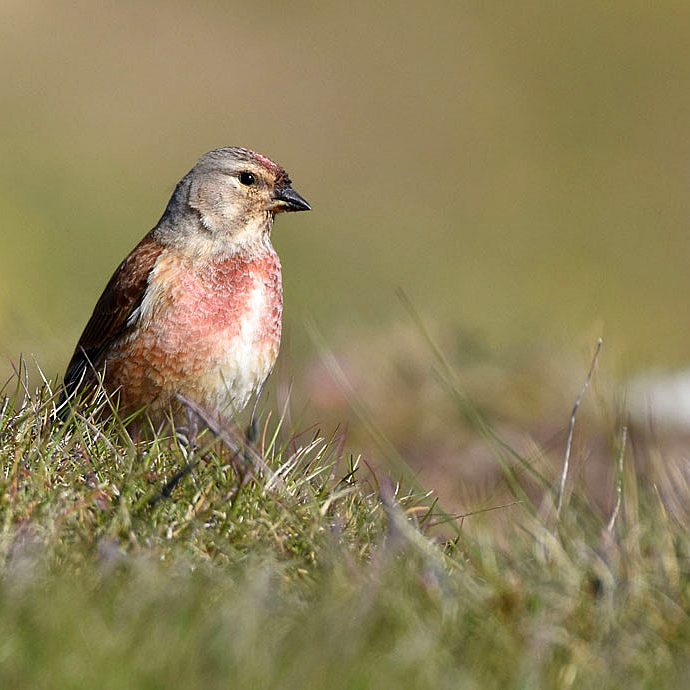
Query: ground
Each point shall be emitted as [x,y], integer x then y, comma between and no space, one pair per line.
[315,570]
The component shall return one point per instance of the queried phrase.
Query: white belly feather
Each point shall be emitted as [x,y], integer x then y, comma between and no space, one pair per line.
[244,359]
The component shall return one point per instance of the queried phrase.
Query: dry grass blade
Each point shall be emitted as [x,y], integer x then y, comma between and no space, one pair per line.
[619,481]
[571,428]
[479,511]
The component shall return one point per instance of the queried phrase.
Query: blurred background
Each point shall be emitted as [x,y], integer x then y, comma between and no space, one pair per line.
[520,170]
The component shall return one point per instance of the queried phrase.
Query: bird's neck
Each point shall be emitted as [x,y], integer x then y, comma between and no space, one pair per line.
[200,243]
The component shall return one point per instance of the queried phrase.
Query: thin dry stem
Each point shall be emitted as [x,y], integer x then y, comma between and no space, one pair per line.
[619,481]
[571,428]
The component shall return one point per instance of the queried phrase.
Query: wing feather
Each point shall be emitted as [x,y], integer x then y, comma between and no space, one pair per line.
[111,317]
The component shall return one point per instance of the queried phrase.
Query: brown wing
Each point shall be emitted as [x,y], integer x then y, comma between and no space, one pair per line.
[121,297]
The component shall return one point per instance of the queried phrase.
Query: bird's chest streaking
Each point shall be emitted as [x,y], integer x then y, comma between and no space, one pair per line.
[210,333]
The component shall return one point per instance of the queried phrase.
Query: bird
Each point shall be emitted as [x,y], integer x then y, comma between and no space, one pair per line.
[194,312]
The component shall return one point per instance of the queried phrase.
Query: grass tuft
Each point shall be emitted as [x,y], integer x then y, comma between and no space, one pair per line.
[314,572]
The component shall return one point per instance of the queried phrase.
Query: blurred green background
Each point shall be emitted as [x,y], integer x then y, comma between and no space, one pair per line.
[520,169]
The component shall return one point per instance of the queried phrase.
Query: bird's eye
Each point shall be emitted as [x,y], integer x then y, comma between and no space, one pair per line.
[247,178]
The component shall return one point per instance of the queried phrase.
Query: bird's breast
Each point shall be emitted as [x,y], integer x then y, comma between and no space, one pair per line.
[212,331]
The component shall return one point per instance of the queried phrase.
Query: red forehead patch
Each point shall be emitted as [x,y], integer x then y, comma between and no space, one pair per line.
[268,163]
[281,177]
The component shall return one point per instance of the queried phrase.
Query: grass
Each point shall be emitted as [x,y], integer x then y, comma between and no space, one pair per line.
[319,573]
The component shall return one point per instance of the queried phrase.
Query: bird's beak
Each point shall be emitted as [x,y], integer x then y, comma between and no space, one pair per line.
[286,200]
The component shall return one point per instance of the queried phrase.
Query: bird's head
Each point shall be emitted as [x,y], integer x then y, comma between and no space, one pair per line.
[236,193]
